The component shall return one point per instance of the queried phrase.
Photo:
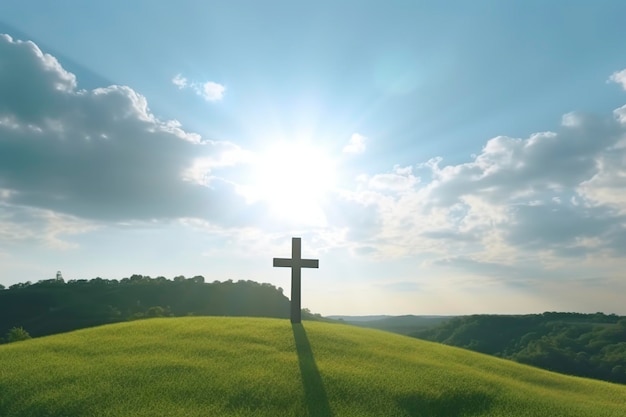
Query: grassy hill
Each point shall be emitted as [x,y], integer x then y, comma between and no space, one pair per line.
[201,366]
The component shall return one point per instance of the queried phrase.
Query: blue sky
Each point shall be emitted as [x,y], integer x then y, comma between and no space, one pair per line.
[438,159]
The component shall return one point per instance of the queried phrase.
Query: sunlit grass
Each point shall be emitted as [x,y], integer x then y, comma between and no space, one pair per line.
[252,367]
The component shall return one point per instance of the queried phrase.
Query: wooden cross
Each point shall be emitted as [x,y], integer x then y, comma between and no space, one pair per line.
[296,263]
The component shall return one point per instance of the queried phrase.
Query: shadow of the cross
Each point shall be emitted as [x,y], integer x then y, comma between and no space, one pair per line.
[314,392]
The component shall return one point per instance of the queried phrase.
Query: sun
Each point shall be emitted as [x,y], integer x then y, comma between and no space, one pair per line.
[294,179]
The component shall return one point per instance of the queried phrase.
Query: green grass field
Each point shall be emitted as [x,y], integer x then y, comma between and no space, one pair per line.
[201,366]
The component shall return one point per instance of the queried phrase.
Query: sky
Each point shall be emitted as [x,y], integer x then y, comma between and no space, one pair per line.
[436,157]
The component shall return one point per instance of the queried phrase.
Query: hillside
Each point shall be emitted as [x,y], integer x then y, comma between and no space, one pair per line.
[587,345]
[201,366]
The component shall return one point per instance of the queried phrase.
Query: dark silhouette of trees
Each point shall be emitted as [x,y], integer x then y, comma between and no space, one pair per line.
[17,334]
[53,306]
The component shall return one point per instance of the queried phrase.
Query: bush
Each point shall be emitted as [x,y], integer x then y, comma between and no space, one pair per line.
[17,334]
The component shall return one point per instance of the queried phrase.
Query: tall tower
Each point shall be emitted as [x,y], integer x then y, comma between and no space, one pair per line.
[59,276]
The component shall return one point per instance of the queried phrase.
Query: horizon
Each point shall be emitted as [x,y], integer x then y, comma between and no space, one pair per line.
[360,317]
[437,160]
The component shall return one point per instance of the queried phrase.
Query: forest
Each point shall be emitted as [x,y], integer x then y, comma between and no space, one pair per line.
[55,306]
[587,345]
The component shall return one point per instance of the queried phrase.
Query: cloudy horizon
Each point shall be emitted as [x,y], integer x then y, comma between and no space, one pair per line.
[489,208]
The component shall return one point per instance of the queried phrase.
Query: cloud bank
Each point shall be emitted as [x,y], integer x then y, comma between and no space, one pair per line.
[553,198]
[99,154]
[520,207]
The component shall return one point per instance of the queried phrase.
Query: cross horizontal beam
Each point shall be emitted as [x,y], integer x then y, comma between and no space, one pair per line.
[304,263]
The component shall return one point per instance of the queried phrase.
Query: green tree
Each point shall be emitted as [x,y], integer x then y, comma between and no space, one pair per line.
[16,334]
[156,311]
[198,279]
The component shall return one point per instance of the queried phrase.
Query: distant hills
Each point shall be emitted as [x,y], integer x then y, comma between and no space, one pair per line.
[406,324]
[358,319]
[227,366]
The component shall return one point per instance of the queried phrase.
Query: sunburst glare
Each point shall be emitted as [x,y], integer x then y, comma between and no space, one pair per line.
[293,179]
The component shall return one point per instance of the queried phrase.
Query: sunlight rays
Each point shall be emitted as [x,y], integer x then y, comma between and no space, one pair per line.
[293,179]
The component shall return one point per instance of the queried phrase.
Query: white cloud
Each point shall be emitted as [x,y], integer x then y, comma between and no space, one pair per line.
[356,144]
[400,180]
[607,186]
[554,199]
[619,77]
[179,81]
[32,225]
[620,114]
[99,154]
[210,90]
[51,76]
[201,169]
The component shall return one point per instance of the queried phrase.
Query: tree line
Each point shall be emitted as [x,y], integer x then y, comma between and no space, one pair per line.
[54,306]
[587,345]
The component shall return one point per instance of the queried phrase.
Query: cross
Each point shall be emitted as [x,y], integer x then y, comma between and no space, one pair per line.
[296,263]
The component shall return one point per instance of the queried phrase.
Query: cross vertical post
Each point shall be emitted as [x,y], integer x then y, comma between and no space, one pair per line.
[296,263]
